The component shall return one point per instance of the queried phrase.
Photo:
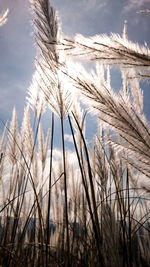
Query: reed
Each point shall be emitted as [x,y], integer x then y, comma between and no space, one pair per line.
[88,205]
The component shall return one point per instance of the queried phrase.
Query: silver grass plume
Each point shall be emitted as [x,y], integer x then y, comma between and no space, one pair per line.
[50,61]
[112,49]
[101,167]
[46,27]
[3,153]
[36,97]
[136,91]
[130,81]
[125,30]
[57,91]
[14,138]
[108,78]
[124,70]
[43,146]
[119,114]
[27,140]
[144,11]
[4,17]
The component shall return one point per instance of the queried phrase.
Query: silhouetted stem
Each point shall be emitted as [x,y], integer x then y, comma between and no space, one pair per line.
[65,188]
[49,192]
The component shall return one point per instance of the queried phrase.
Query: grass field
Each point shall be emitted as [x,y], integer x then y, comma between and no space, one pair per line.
[87,206]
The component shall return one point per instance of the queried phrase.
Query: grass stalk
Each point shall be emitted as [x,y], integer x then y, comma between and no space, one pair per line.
[49,191]
[65,191]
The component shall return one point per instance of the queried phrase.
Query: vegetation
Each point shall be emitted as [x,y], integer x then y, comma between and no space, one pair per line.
[86,206]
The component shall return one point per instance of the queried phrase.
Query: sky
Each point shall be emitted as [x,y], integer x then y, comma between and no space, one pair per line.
[88,17]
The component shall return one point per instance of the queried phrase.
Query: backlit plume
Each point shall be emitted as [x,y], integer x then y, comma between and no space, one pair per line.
[76,192]
[4,17]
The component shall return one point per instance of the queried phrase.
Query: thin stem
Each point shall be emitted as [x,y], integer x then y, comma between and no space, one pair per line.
[65,188]
[95,222]
[49,192]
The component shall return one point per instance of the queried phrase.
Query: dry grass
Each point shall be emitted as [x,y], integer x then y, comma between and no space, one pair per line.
[87,206]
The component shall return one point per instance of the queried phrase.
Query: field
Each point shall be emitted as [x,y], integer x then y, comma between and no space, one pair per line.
[86,204]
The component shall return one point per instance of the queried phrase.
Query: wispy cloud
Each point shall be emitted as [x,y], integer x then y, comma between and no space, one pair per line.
[92,4]
[82,14]
[136,4]
[68,138]
[16,54]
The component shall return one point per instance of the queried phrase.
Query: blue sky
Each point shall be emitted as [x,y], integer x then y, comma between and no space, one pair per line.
[88,17]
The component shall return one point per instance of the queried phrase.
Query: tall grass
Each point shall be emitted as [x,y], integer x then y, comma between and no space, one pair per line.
[86,206]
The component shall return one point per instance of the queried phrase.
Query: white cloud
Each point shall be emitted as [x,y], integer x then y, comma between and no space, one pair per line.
[68,138]
[136,4]
[91,4]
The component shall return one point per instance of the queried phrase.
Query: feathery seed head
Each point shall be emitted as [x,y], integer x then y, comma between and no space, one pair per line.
[4,17]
